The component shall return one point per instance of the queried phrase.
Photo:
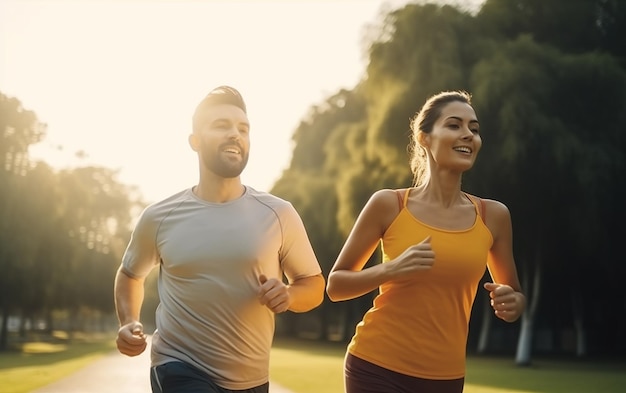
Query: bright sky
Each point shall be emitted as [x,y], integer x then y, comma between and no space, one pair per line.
[119,80]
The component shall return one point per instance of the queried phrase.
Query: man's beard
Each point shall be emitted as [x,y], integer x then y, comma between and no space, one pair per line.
[223,167]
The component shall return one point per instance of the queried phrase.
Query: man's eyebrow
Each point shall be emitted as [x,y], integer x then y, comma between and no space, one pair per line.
[225,119]
[222,122]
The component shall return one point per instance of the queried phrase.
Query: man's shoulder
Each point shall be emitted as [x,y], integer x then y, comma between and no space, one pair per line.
[164,205]
[270,200]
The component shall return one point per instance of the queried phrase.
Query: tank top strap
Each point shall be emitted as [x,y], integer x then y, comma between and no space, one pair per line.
[399,195]
[479,205]
[402,200]
[406,196]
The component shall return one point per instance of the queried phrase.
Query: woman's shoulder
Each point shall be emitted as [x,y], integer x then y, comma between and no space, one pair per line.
[495,214]
[383,207]
[496,206]
[386,203]
[388,196]
[489,204]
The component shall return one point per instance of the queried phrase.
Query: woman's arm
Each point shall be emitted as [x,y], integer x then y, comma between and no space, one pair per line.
[507,298]
[347,279]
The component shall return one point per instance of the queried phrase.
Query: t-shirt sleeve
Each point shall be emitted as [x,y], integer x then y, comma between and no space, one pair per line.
[297,257]
[141,254]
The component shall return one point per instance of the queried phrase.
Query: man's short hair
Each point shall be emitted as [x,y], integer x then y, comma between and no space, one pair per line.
[218,96]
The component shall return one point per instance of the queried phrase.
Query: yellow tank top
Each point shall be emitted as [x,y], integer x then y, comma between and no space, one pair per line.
[419,328]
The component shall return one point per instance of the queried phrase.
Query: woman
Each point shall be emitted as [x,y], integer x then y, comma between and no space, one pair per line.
[436,242]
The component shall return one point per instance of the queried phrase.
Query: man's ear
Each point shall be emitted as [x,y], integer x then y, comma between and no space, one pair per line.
[423,139]
[194,142]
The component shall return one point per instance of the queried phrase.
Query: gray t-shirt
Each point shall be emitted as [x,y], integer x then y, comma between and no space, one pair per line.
[210,257]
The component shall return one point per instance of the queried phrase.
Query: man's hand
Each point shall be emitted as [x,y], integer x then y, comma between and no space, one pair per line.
[274,294]
[131,339]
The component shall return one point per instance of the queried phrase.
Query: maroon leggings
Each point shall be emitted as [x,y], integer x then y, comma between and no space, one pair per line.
[361,376]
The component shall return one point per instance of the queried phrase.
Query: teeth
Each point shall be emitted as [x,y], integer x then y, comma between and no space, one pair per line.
[463,149]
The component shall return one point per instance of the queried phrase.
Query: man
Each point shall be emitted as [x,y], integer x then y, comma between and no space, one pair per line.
[222,249]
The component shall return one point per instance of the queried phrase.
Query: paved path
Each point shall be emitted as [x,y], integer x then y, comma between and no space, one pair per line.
[115,373]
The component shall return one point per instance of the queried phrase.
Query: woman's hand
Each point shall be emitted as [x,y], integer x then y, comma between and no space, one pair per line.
[416,258]
[507,304]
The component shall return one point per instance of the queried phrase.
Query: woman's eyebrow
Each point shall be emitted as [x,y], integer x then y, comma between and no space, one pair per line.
[460,119]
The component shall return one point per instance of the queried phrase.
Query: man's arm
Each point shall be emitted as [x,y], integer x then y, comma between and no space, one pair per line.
[303,294]
[306,293]
[129,294]
[305,288]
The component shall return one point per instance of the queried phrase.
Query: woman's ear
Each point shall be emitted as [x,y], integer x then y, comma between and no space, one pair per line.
[423,139]
[194,142]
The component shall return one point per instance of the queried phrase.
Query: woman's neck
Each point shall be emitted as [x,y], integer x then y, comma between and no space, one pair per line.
[441,190]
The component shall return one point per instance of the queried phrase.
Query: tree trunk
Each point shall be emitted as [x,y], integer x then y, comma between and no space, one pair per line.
[49,322]
[581,338]
[579,326]
[325,324]
[485,325]
[525,340]
[4,330]
[24,320]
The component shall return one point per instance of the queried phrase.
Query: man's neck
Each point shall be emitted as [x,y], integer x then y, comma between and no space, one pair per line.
[219,191]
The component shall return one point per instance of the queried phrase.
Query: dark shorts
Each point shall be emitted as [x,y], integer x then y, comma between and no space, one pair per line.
[179,377]
[361,376]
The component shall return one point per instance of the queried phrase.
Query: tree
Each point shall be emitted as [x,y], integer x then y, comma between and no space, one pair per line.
[576,27]
[61,233]
[544,135]
[96,217]
[19,128]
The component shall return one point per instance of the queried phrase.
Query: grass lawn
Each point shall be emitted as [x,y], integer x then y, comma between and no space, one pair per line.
[36,364]
[308,367]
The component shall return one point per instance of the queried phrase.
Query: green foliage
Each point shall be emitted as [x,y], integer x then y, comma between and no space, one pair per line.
[311,136]
[549,129]
[575,26]
[430,48]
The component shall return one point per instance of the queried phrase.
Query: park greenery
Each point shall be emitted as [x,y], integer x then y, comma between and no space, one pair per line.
[548,80]
[306,366]
[41,362]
